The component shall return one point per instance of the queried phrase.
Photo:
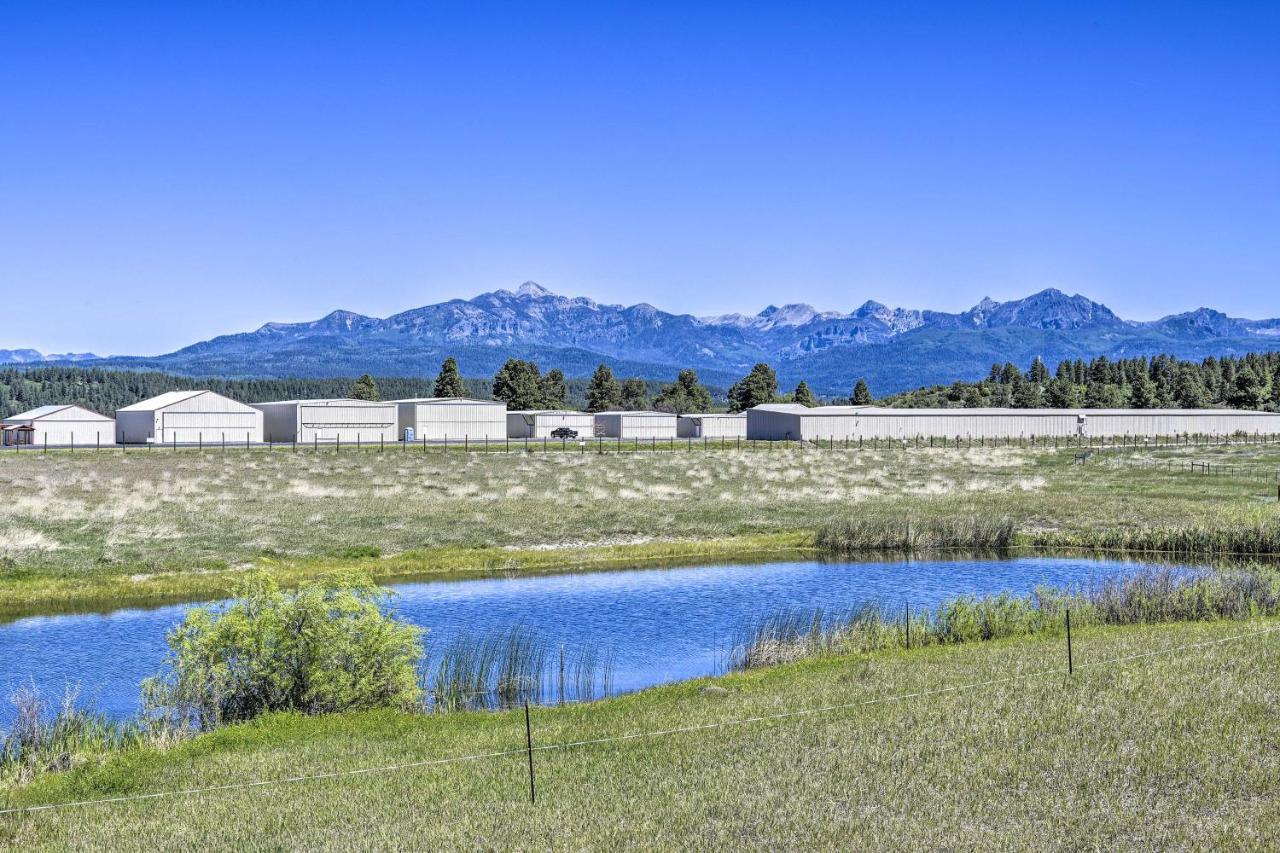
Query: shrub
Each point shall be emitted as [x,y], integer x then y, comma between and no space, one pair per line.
[330,646]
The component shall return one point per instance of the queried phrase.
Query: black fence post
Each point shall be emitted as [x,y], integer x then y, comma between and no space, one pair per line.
[1070,661]
[908,624]
[528,740]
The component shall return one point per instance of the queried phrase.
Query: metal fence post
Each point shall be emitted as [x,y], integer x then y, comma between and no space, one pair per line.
[1070,661]
[528,740]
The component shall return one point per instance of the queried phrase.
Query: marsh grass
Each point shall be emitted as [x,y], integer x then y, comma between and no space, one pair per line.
[49,737]
[915,533]
[1152,596]
[503,668]
[1255,539]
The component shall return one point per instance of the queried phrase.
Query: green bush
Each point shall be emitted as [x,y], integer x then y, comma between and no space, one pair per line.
[331,645]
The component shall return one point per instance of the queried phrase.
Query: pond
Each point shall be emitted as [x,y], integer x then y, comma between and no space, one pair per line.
[656,625]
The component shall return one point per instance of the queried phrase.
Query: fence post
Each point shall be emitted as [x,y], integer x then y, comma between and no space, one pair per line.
[1070,662]
[528,740]
[46,443]
[908,624]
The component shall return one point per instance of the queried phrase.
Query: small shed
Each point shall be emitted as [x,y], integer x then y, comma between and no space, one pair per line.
[541,423]
[188,417]
[58,426]
[712,425]
[329,421]
[442,418]
[637,425]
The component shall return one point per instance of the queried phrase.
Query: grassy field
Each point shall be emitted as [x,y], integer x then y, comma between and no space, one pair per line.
[1175,749]
[83,529]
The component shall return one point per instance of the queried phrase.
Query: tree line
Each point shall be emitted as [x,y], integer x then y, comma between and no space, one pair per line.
[1163,382]
[1247,382]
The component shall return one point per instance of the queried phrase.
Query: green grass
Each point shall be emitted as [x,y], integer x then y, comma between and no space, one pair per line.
[82,530]
[1172,750]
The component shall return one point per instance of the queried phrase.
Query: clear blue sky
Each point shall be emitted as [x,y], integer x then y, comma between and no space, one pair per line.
[173,171]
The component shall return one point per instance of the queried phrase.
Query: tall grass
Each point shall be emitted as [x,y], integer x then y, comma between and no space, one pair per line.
[1155,595]
[504,668]
[915,533]
[1219,541]
[48,737]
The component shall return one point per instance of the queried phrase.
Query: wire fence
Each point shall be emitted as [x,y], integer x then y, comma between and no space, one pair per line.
[652,444]
[531,748]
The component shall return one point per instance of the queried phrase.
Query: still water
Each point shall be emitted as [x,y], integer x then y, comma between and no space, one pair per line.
[660,625]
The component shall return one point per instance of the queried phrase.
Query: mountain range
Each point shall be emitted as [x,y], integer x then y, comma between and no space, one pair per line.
[893,348]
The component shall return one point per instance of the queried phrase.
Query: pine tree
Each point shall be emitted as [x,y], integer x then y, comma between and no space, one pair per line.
[1248,390]
[803,395]
[1038,373]
[861,393]
[683,396]
[555,391]
[449,381]
[364,389]
[634,396]
[1189,391]
[758,387]
[603,394]
[1062,393]
[518,383]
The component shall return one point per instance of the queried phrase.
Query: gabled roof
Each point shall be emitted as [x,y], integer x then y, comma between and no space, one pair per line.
[160,401]
[332,401]
[44,411]
[647,413]
[446,401]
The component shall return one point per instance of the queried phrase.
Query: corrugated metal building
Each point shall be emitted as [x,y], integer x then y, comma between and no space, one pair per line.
[59,426]
[789,421]
[540,424]
[636,424]
[439,418]
[329,421]
[188,417]
[713,425]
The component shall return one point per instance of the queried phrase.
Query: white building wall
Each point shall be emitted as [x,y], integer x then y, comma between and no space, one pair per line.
[204,416]
[72,426]
[837,424]
[637,425]
[711,426]
[330,421]
[435,420]
[542,424]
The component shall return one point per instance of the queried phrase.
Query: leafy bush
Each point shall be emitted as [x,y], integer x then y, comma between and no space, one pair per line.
[331,645]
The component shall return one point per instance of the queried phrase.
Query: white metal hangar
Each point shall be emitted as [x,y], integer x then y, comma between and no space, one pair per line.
[712,425]
[445,418]
[790,421]
[188,417]
[637,424]
[540,424]
[60,426]
[329,421]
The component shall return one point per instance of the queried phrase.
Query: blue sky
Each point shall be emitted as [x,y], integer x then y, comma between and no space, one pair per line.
[172,171]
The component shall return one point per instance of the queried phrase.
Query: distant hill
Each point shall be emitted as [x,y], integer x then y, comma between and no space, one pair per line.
[894,348]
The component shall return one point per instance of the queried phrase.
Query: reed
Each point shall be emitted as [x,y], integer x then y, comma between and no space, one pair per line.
[48,737]
[915,533]
[503,668]
[1259,538]
[1152,596]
